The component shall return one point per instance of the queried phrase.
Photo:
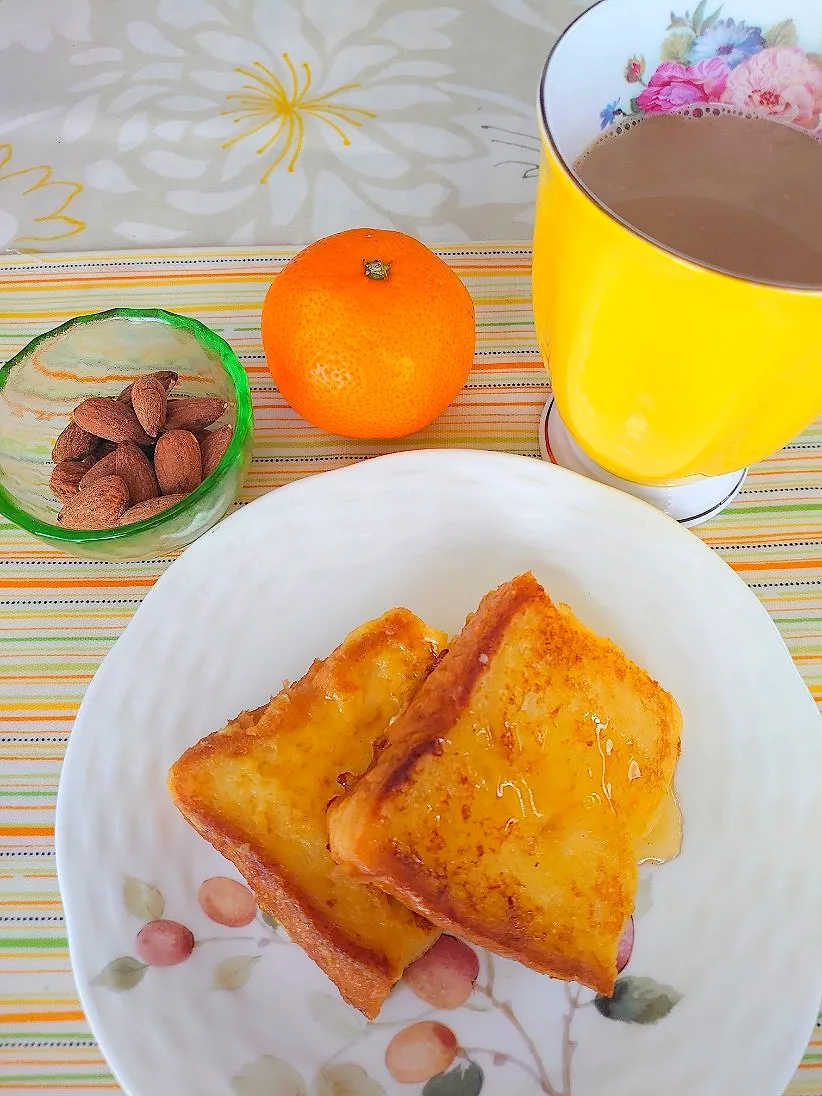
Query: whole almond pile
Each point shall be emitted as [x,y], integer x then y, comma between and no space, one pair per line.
[126,458]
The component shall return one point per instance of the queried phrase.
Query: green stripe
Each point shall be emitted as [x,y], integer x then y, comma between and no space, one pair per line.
[47,793]
[793,508]
[56,1036]
[48,700]
[51,942]
[24,667]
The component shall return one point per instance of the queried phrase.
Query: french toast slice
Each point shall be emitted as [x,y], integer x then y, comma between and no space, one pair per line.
[258,791]
[519,789]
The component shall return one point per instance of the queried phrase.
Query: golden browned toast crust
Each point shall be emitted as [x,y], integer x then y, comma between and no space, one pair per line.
[503,809]
[363,976]
[258,791]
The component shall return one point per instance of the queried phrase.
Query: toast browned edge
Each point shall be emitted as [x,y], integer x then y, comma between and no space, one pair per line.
[361,975]
[432,712]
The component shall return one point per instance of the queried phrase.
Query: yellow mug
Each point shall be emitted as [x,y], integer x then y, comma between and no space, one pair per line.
[664,369]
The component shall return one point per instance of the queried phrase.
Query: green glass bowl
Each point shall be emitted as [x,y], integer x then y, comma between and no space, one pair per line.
[98,355]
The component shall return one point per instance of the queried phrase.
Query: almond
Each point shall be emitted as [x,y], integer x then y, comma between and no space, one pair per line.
[213,445]
[177,462]
[144,510]
[137,472]
[110,419]
[66,477]
[148,400]
[105,466]
[131,464]
[99,506]
[194,412]
[167,378]
[72,444]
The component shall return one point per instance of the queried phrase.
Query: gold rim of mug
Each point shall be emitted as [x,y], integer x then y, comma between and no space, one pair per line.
[695,264]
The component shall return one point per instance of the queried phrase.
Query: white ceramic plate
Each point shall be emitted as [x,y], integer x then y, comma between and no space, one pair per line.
[723,986]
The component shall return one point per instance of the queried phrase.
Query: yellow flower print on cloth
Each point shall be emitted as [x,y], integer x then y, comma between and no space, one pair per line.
[376,120]
[267,104]
[33,205]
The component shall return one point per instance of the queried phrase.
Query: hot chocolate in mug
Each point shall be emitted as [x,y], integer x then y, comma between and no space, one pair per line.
[665,368]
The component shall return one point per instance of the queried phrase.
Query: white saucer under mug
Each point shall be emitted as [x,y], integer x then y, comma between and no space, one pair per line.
[690,503]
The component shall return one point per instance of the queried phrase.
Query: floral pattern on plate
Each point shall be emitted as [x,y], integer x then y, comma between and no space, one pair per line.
[708,57]
[419,1050]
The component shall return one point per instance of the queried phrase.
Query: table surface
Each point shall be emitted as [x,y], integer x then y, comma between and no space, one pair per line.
[60,616]
[194,124]
[206,122]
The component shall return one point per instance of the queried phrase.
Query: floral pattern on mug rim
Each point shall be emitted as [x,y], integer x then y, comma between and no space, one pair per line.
[710,58]
[419,1050]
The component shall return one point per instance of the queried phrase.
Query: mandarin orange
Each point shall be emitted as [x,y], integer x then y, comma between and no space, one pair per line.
[368,334]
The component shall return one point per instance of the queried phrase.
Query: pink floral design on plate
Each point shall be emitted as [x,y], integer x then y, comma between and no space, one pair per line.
[708,58]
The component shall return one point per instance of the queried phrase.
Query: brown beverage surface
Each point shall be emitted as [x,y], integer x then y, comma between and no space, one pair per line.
[740,193]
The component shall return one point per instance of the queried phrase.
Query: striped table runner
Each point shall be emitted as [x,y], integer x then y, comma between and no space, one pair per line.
[60,616]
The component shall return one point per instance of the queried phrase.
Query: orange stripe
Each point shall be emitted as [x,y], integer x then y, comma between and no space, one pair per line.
[35,953]
[41,1017]
[10,807]
[26,831]
[44,677]
[126,279]
[59,314]
[57,752]
[110,611]
[788,455]
[61,583]
[32,875]
[36,718]
[776,564]
[40,970]
[761,540]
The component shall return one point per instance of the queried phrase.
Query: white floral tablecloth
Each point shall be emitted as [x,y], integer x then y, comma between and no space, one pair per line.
[201,122]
